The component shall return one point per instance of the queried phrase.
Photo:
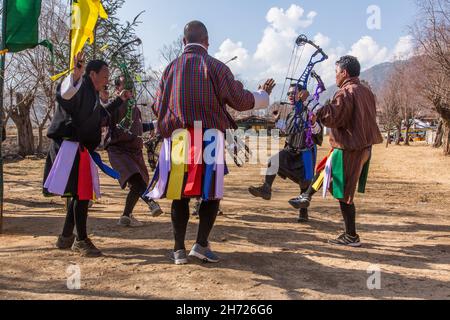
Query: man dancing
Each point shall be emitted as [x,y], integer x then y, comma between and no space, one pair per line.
[297,160]
[126,157]
[196,88]
[354,130]
[76,133]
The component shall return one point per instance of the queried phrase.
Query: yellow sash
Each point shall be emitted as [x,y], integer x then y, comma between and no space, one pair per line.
[180,146]
[318,184]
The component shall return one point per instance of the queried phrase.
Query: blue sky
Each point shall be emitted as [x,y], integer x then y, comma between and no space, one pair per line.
[248,31]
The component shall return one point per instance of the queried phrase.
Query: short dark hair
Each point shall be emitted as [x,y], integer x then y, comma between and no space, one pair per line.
[96,66]
[297,86]
[195,32]
[351,64]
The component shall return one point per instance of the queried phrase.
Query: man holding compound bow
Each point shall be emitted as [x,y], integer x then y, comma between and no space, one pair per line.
[352,116]
[296,161]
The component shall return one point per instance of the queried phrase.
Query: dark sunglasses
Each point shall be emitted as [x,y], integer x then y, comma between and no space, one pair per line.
[291,94]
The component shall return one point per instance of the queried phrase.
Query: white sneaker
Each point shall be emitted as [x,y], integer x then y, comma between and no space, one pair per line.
[131,222]
[135,223]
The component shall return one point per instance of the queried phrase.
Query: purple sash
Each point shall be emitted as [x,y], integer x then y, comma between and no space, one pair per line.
[164,168]
[59,175]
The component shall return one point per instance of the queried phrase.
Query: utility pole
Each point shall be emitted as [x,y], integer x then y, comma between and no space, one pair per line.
[2,84]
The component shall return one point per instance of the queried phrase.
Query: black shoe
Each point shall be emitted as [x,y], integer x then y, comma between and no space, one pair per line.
[303,217]
[264,192]
[347,240]
[86,249]
[64,243]
[301,202]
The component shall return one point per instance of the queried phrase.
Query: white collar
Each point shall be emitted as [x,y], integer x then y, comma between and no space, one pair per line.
[196,44]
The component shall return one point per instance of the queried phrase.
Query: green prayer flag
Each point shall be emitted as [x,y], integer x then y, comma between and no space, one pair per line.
[22,25]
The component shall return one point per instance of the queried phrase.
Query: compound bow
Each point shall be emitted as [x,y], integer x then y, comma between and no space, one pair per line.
[302,82]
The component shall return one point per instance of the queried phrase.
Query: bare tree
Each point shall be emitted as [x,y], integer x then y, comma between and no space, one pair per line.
[390,117]
[171,51]
[21,88]
[432,36]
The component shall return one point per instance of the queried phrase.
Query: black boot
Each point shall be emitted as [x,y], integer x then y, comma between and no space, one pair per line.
[265,192]
[304,200]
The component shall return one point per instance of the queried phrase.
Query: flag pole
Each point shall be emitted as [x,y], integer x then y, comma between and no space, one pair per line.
[2,83]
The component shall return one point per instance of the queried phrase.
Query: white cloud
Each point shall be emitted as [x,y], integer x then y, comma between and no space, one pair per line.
[404,48]
[228,50]
[292,18]
[369,52]
[322,40]
[273,52]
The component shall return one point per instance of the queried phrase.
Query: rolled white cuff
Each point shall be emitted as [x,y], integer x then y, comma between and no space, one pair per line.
[68,88]
[262,99]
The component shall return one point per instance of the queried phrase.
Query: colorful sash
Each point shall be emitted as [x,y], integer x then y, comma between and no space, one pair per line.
[85,190]
[308,164]
[182,164]
[337,168]
[220,166]
[180,148]
[195,166]
[335,176]
[163,172]
[88,187]
[363,179]
[58,177]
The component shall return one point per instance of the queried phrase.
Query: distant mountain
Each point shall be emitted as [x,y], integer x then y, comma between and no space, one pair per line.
[375,76]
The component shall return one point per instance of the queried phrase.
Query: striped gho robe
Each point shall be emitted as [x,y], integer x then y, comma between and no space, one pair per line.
[352,118]
[198,87]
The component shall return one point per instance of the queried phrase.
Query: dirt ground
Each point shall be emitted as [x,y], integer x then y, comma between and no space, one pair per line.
[404,222]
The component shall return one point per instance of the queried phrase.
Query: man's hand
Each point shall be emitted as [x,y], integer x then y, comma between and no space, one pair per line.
[304,95]
[79,67]
[126,95]
[268,86]
[104,96]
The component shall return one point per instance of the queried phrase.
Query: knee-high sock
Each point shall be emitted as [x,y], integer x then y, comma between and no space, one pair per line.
[81,213]
[303,211]
[349,215]
[69,224]
[270,180]
[310,191]
[208,214]
[137,189]
[180,219]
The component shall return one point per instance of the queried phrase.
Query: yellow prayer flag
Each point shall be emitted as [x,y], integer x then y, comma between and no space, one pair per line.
[58,76]
[85,14]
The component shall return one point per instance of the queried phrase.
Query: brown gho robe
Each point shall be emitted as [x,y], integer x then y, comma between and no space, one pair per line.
[352,118]
[124,149]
